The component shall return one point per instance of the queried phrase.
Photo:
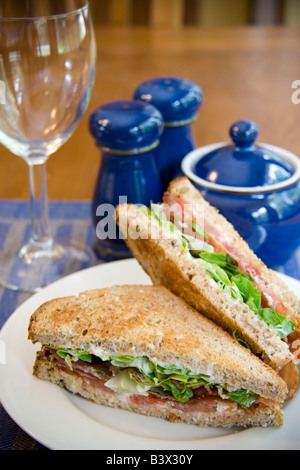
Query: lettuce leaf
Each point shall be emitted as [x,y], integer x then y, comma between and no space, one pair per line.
[158,213]
[170,380]
[122,382]
[252,297]
[222,278]
[196,227]
[221,259]
[243,397]
[196,246]
[70,355]
[240,340]
[222,269]
[281,324]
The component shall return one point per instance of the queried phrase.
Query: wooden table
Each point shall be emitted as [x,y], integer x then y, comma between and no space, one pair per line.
[244,72]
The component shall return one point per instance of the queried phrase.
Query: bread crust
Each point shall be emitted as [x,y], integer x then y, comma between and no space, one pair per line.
[169,265]
[151,321]
[230,416]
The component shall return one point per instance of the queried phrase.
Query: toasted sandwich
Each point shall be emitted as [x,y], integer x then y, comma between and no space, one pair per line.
[186,245]
[143,349]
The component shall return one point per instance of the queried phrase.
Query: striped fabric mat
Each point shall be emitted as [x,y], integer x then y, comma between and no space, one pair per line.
[69,220]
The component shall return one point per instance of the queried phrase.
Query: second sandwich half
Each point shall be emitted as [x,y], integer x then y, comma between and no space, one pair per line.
[203,260]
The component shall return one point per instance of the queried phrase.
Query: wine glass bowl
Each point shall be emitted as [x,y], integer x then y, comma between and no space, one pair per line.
[47,64]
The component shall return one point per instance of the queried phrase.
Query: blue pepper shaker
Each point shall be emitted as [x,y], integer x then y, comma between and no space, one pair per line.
[127,133]
[179,101]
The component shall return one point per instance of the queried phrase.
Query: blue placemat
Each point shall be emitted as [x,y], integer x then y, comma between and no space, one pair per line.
[73,220]
[69,220]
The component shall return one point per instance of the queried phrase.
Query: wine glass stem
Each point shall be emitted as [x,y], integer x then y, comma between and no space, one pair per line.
[41,236]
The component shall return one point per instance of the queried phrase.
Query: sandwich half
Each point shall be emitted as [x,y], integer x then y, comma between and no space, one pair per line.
[143,349]
[186,245]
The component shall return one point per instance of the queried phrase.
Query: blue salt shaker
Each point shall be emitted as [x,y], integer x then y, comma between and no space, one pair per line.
[127,133]
[179,101]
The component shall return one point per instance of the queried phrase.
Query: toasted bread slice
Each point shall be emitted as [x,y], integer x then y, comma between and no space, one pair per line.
[151,322]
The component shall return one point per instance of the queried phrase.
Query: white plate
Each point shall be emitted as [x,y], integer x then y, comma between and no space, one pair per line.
[62,421]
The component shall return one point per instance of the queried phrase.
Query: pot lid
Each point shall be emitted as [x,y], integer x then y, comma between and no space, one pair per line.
[243,166]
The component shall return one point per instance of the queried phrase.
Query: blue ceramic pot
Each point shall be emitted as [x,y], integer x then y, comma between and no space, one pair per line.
[127,133]
[256,187]
[179,101]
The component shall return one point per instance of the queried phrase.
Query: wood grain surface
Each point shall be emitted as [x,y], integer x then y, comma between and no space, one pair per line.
[245,73]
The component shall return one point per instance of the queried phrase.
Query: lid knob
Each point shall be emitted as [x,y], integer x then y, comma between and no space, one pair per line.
[178,99]
[244,133]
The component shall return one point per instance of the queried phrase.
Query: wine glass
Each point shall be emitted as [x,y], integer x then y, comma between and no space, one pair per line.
[47,67]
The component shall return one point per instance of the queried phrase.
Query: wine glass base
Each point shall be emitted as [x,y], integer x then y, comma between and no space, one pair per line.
[27,271]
